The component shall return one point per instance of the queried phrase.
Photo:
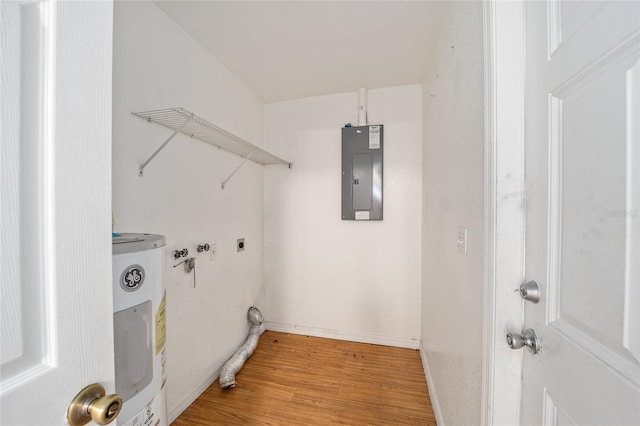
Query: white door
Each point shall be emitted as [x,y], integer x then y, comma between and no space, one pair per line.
[583,212]
[55,165]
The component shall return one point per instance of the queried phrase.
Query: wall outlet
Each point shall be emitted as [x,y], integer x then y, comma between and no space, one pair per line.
[461,240]
[240,244]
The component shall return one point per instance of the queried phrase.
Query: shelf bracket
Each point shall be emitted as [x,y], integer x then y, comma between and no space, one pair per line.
[248,157]
[175,132]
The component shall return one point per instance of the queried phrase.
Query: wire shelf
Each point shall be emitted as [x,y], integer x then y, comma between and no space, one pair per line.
[186,122]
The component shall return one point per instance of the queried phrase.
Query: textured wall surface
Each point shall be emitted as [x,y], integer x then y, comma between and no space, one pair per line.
[453,161]
[157,65]
[335,278]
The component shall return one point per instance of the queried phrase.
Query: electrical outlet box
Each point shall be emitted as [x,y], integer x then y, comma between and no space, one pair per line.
[240,244]
[461,240]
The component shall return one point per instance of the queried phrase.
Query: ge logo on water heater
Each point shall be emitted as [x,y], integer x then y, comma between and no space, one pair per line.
[132,278]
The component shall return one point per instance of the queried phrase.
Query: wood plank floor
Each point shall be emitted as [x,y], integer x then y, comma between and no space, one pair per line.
[300,380]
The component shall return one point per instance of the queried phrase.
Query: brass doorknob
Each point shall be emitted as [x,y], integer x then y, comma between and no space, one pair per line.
[92,404]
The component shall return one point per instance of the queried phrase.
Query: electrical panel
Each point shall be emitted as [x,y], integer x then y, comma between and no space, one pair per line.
[362,155]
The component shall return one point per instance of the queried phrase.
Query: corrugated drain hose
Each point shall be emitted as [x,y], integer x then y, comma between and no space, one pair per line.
[234,364]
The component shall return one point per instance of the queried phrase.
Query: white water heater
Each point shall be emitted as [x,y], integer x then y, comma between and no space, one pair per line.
[139,323]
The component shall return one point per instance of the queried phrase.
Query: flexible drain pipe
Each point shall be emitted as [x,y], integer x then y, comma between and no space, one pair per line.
[235,363]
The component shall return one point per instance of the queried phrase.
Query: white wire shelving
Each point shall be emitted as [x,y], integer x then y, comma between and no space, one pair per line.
[186,122]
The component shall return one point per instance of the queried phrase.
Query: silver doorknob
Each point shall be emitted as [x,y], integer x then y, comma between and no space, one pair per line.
[528,339]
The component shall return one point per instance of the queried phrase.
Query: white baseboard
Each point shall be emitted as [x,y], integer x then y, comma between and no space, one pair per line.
[191,397]
[431,388]
[400,342]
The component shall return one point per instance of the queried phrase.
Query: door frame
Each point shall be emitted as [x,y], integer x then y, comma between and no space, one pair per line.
[504,208]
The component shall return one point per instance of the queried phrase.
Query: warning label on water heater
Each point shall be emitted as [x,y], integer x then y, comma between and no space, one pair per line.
[374,137]
[153,414]
[161,324]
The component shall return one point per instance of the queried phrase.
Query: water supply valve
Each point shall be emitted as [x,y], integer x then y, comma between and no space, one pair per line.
[180,253]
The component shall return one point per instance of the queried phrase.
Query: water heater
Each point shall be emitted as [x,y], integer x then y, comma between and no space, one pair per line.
[139,323]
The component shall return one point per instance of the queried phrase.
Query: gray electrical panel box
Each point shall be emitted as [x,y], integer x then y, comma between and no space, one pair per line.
[362,153]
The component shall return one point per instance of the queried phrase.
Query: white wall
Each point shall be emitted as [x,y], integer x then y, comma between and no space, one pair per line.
[157,65]
[453,161]
[334,278]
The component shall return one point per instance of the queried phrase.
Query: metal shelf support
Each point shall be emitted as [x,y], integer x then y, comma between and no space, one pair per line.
[237,168]
[175,132]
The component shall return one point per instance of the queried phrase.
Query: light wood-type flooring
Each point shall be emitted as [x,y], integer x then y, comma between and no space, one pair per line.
[300,380]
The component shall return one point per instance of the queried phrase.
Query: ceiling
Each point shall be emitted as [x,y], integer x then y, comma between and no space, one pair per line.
[294,49]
